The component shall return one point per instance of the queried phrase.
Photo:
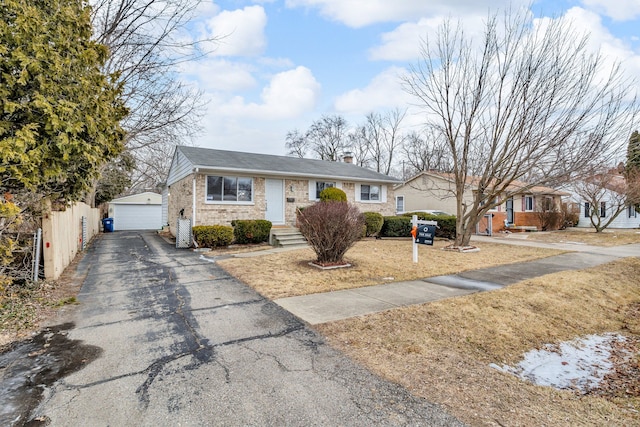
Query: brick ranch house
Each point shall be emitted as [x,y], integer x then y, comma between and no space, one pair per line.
[520,208]
[217,186]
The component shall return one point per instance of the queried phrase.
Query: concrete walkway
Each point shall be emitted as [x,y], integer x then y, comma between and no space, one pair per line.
[332,306]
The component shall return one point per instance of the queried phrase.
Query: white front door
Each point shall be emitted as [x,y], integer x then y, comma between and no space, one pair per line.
[274,195]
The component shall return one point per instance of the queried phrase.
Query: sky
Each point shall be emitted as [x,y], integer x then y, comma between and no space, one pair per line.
[279,65]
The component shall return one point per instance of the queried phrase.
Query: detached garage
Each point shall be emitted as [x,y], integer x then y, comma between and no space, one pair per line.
[137,212]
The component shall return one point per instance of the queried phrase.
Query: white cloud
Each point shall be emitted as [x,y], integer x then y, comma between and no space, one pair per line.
[289,94]
[403,43]
[358,13]
[220,75]
[384,91]
[240,32]
[620,10]
[600,39]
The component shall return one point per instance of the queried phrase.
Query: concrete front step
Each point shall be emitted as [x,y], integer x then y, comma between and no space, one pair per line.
[296,242]
[287,237]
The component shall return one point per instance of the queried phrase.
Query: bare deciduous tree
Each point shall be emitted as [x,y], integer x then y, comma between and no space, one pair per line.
[147,40]
[296,143]
[425,153]
[360,146]
[606,194]
[326,138]
[524,102]
[384,137]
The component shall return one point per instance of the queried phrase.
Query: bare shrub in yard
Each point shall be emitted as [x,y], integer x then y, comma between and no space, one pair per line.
[570,215]
[549,215]
[331,228]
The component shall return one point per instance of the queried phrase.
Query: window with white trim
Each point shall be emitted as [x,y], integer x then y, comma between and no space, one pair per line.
[370,193]
[631,212]
[229,189]
[603,209]
[528,203]
[399,203]
[321,185]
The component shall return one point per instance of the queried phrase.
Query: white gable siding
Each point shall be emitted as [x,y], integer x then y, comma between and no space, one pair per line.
[621,221]
[180,168]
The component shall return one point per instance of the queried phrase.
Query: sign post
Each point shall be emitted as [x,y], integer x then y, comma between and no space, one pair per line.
[423,233]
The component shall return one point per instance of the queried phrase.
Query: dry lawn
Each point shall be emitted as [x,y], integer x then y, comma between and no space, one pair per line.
[586,236]
[24,310]
[373,262]
[441,351]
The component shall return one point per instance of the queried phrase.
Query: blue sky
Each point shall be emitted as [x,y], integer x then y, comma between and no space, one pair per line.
[283,64]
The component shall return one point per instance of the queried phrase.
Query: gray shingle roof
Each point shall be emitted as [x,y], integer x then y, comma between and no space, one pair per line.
[234,161]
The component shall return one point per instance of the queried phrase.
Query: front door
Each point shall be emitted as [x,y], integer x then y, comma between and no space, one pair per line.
[509,206]
[274,195]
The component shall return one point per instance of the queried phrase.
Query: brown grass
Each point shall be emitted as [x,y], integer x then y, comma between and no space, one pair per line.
[25,309]
[373,262]
[607,237]
[441,351]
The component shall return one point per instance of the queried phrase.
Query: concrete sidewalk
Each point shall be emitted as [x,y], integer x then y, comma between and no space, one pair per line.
[332,306]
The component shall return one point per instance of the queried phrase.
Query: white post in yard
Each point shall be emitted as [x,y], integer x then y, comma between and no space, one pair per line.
[414,226]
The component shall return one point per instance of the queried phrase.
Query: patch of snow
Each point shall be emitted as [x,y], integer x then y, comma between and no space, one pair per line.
[580,364]
[206,258]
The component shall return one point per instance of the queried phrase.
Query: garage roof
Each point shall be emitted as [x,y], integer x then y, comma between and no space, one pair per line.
[146,198]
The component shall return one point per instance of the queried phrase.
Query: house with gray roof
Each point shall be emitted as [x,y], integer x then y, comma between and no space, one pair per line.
[218,186]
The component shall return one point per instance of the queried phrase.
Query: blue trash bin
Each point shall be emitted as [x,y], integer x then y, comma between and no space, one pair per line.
[107,224]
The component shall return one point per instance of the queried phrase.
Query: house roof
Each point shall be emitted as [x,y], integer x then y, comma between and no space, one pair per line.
[513,187]
[267,164]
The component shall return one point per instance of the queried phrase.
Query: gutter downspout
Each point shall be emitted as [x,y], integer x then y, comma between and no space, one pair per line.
[193,206]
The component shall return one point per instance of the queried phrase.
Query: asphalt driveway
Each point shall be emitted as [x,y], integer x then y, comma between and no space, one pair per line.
[182,343]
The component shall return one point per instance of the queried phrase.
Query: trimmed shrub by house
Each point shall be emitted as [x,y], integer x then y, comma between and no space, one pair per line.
[213,236]
[373,222]
[396,226]
[251,231]
[400,226]
[446,223]
[333,194]
[331,228]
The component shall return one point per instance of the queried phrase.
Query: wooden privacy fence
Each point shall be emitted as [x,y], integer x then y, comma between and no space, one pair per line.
[65,233]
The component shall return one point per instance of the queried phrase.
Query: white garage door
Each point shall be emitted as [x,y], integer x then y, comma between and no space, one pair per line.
[137,217]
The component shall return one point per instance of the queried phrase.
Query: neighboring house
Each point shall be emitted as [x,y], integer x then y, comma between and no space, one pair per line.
[604,196]
[628,218]
[436,191]
[141,211]
[218,186]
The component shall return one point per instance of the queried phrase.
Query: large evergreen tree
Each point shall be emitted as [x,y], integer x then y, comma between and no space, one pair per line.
[633,152]
[59,114]
[632,171]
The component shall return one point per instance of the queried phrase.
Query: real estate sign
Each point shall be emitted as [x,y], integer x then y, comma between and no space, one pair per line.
[425,234]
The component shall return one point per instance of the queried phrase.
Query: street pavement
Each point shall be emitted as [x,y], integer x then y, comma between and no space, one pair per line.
[184,344]
[331,306]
